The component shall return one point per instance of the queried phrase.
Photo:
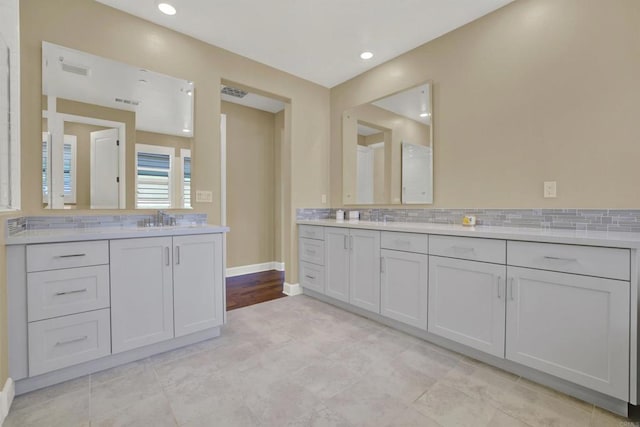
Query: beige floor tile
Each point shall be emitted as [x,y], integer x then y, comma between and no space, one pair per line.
[482,382]
[428,361]
[325,378]
[603,418]
[226,417]
[48,393]
[451,407]
[122,392]
[153,411]
[67,410]
[556,394]
[205,398]
[187,368]
[319,417]
[412,418]
[501,419]
[119,371]
[280,402]
[399,380]
[364,405]
[541,409]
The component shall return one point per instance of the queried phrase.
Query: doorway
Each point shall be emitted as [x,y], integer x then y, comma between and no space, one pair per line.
[252,130]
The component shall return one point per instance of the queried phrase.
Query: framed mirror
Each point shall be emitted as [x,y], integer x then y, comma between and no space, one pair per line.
[114,136]
[387,148]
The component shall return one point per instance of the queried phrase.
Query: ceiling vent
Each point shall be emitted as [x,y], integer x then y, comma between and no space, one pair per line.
[128,101]
[80,70]
[233,91]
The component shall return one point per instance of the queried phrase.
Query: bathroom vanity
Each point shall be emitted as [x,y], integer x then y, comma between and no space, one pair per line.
[556,306]
[83,300]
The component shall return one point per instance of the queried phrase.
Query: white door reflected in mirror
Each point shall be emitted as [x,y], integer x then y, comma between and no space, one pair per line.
[417,163]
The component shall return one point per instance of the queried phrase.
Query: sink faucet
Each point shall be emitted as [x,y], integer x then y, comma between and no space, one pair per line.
[388,217]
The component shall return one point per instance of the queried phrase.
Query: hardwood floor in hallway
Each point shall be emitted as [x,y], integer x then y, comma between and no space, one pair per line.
[250,289]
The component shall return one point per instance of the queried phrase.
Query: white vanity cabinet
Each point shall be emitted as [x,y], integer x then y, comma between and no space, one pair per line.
[573,326]
[141,292]
[163,287]
[467,296]
[352,266]
[403,278]
[312,256]
[67,287]
[198,283]
[78,307]
[562,314]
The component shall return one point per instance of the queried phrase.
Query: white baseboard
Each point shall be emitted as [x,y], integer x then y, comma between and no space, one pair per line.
[292,289]
[254,268]
[6,399]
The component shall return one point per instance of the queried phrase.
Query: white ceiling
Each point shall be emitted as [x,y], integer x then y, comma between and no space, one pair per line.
[318,40]
[164,104]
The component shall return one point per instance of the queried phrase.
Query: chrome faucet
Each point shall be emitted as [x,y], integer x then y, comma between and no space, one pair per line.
[389,217]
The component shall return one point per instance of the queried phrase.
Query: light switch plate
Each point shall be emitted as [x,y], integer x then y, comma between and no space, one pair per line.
[549,189]
[324,199]
[204,196]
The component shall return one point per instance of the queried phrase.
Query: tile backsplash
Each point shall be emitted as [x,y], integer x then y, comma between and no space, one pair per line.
[16,225]
[571,219]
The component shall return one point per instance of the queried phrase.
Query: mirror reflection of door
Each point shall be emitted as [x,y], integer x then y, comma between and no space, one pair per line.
[105,179]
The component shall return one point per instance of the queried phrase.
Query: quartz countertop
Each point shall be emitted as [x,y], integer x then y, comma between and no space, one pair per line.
[52,235]
[616,239]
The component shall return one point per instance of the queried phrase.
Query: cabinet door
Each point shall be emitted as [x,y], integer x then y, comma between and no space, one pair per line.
[141,292]
[364,269]
[574,327]
[336,241]
[197,283]
[467,303]
[403,287]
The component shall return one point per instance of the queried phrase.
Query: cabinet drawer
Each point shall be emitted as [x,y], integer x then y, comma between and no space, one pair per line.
[408,242]
[311,232]
[66,255]
[471,248]
[312,251]
[312,276]
[591,261]
[69,340]
[69,291]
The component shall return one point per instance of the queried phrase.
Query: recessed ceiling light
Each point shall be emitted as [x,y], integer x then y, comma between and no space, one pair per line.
[166,8]
[424,114]
[366,55]
[185,130]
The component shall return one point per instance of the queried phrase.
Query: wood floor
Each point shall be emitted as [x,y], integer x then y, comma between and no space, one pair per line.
[254,288]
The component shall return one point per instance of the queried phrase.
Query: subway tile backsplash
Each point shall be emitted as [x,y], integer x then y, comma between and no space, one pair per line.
[15,225]
[570,219]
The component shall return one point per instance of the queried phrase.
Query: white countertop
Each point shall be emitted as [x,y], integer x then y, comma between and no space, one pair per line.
[615,239]
[100,233]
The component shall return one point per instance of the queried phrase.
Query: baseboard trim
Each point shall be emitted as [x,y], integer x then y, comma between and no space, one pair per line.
[292,289]
[6,399]
[254,268]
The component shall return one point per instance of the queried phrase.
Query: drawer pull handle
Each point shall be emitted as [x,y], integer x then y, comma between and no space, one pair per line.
[167,254]
[499,293]
[77,291]
[71,341]
[177,255]
[346,245]
[462,249]
[511,288]
[71,256]
[555,258]
[310,277]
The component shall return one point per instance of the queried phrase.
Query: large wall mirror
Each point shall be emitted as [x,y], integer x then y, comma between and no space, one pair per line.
[387,148]
[114,136]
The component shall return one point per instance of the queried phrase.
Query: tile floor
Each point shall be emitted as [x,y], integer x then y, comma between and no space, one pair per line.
[299,362]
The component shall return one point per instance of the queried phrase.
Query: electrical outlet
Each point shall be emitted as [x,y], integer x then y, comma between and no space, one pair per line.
[324,199]
[204,196]
[549,189]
